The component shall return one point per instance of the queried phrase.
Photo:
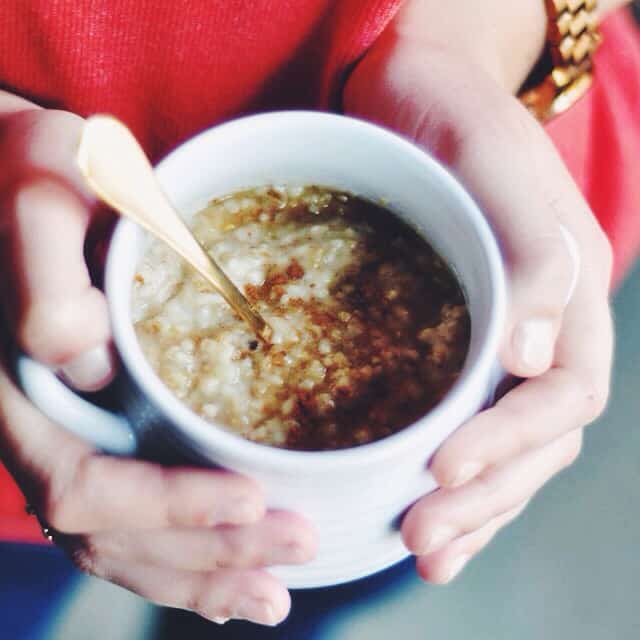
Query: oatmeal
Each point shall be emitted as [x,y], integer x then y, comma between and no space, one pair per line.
[370,326]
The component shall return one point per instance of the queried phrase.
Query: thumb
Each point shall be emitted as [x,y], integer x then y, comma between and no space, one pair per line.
[542,275]
[61,319]
[531,201]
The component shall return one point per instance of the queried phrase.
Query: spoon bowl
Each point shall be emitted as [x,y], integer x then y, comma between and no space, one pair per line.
[118,171]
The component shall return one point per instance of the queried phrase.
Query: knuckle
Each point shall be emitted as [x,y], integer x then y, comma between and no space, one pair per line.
[195,602]
[205,600]
[56,512]
[595,397]
[48,125]
[180,503]
[42,332]
[86,558]
[587,393]
[181,508]
[572,449]
[238,549]
[246,487]
[488,484]
[50,330]
[596,400]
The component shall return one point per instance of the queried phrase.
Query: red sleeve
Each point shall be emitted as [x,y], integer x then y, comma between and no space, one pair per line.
[599,139]
[14,522]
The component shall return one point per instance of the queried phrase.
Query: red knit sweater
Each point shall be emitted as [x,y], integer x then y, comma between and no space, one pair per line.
[170,69]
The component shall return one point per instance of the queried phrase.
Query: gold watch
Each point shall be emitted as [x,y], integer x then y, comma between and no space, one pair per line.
[564,73]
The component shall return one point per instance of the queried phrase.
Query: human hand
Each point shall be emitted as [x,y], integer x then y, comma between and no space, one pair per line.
[189,538]
[461,108]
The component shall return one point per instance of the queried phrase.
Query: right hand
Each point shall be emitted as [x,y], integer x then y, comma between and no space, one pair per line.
[452,95]
[190,538]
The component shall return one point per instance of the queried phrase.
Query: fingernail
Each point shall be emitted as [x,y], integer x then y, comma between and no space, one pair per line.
[90,370]
[220,620]
[236,511]
[467,472]
[457,566]
[255,610]
[438,537]
[533,343]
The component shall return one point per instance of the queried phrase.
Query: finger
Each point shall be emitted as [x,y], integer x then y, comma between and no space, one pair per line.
[102,493]
[176,497]
[218,595]
[61,319]
[444,565]
[280,538]
[442,516]
[530,416]
[79,491]
[540,410]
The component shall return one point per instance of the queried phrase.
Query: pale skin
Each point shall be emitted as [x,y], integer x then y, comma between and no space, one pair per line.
[202,540]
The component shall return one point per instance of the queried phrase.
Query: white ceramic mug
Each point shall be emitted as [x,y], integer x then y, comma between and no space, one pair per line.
[354,497]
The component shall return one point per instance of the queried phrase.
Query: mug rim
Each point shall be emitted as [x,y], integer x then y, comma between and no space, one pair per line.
[190,426]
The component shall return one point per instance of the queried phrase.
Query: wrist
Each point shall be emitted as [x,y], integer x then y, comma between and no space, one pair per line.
[504,38]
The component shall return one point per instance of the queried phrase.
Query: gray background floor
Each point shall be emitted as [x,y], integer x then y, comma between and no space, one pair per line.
[568,568]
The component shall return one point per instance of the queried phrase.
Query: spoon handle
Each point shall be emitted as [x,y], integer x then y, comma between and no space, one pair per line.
[118,171]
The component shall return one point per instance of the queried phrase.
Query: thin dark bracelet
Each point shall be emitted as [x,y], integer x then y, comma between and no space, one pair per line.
[48,531]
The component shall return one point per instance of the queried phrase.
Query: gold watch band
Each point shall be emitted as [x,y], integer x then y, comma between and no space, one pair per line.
[572,39]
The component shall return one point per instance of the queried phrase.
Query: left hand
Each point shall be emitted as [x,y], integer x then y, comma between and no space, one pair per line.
[197,539]
[460,107]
